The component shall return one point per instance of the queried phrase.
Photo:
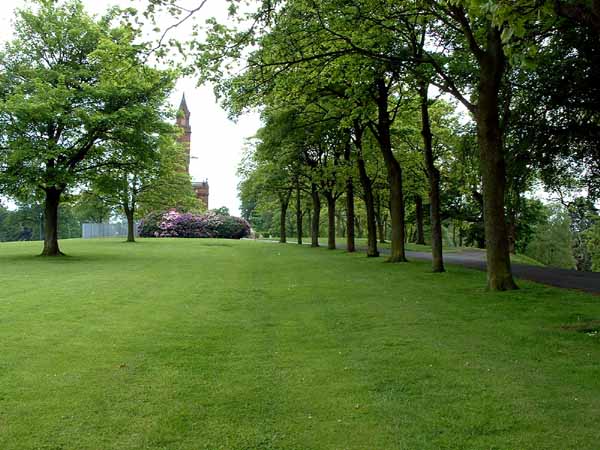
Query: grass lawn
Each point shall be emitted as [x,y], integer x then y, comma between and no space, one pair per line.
[207,344]
[412,247]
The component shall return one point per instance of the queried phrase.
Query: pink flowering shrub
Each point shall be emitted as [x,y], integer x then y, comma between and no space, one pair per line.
[188,225]
[228,227]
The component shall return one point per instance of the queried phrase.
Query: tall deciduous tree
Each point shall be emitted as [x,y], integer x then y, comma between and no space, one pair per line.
[151,174]
[69,84]
[478,38]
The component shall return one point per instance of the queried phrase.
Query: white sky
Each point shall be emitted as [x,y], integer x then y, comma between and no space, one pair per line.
[217,142]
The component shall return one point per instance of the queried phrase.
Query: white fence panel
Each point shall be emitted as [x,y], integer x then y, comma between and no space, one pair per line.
[105,230]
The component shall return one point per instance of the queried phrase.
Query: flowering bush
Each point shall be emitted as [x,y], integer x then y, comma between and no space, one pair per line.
[226,226]
[188,225]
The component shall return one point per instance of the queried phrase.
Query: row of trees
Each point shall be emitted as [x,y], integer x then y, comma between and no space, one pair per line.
[346,88]
[358,99]
[83,115]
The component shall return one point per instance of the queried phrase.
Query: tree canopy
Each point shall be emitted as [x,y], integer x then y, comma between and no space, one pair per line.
[369,65]
[75,94]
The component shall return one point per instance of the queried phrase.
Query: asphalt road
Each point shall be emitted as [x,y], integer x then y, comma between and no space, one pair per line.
[563,278]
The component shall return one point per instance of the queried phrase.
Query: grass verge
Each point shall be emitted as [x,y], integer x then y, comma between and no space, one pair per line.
[208,344]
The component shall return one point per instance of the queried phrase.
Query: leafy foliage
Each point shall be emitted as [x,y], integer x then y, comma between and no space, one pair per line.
[189,225]
[552,242]
[75,96]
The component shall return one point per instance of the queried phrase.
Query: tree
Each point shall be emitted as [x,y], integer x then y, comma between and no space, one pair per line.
[551,243]
[582,214]
[150,166]
[70,85]
[222,211]
[376,51]
[366,183]
[476,38]
[89,207]
[584,12]
[556,112]
[469,30]
[25,223]
[592,236]
[273,166]
[171,190]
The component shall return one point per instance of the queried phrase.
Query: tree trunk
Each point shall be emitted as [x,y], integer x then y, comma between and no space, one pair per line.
[284,201]
[433,176]
[350,241]
[330,220]
[397,253]
[367,187]
[493,169]
[316,216]
[350,232]
[379,219]
[454,233]
[358,227]
[130,224]
[341,226]
[512,238]
[41,223]
[512,223]
[298,213]
[420,236]
[51,222]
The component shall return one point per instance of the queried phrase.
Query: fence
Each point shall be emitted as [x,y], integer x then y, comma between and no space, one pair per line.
[105,230]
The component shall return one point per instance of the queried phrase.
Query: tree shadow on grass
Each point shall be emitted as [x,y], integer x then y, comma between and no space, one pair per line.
[216,244]
[62,259]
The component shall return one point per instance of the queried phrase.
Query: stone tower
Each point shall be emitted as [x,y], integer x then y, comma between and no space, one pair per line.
[201,188]
[183,122]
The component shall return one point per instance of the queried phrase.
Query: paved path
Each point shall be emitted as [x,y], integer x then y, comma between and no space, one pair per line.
[563,278]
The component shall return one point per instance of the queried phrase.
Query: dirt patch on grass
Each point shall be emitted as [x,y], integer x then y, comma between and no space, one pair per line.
[584,326]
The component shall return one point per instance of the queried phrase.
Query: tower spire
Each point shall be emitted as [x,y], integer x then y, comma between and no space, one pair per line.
[183,106]
[183,121]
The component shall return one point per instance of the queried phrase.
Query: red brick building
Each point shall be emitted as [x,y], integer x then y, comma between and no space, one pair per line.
[201,188]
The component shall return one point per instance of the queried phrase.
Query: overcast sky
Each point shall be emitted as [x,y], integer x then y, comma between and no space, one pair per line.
[216,141]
